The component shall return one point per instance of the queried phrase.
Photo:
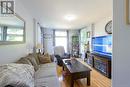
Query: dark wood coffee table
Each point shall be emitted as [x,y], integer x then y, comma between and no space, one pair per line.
[77,70]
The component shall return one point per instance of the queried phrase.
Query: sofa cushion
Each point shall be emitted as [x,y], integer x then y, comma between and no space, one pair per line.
[52,64]
[46,76]
[36,56]
[47,82]
[16,75]
[46,70]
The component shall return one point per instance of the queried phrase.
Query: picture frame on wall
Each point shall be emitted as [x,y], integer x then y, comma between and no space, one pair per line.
[128,11]
[88,34]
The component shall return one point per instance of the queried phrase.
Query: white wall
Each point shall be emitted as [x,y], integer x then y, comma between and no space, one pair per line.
[10,53]
[91,30]
[121,46]
[38,32]
[100,26]
[37,35]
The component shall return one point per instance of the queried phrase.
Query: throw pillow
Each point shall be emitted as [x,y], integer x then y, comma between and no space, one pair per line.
[45,58]
[24,60]
[33,61]
[35,55]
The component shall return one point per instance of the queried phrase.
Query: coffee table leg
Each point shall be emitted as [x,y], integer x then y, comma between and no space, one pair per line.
[63,68]
[88,79]
[72,82]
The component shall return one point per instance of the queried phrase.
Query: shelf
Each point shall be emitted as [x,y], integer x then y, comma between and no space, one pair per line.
[75,46]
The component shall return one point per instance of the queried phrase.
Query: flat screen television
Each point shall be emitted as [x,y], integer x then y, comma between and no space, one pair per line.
[102,46]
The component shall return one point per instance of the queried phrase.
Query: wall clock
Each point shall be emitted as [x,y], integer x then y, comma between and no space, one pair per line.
[108,27]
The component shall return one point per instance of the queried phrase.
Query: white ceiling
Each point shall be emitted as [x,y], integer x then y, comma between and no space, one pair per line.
[50,13]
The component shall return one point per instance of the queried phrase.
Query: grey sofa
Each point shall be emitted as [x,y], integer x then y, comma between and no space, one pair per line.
[45,75]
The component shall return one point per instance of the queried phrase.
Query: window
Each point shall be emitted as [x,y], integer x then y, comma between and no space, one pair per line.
[14,38]
[15,31]
[14,34]
[61,39]
[61,33]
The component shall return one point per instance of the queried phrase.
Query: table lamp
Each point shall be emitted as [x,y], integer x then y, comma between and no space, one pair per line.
[39,47]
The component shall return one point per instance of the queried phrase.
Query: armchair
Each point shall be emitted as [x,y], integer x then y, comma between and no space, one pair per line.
[60,54]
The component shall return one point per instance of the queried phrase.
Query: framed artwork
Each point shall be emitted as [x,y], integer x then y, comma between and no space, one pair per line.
[128,11]
[88,34]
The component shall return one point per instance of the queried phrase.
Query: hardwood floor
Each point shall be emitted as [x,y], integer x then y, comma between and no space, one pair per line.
[97,79]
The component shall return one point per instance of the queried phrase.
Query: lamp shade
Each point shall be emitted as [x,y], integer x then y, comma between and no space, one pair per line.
[39,46]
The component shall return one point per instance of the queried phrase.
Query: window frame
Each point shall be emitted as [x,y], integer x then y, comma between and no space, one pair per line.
[61,37]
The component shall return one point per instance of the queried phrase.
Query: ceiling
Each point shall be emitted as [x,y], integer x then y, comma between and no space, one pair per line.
[51,13]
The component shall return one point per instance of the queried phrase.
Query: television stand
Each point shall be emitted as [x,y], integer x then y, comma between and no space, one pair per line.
[102,64]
